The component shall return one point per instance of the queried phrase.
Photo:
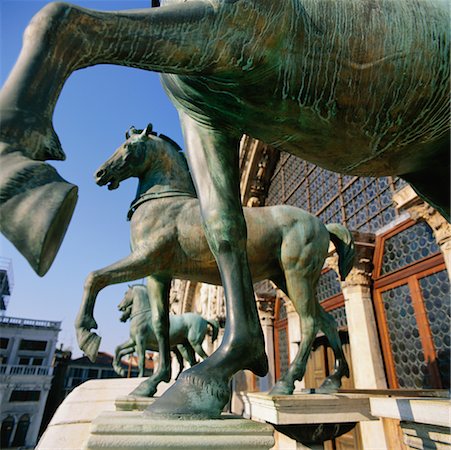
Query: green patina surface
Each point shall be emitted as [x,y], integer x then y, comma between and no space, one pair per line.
[356,86]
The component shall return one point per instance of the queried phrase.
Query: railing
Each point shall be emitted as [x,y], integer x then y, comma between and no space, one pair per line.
[16,321]
[6,369]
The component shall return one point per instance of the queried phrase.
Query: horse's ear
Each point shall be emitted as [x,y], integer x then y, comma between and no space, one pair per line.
[149,129]
[130,131]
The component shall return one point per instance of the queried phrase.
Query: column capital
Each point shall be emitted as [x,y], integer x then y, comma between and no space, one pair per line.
[266,305]
[360,274]
[258,162]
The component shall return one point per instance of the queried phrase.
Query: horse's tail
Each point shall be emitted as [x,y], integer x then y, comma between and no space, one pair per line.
[344,244]
[215,329]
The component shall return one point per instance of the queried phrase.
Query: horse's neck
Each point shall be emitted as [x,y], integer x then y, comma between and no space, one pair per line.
[140,301]
[167,172]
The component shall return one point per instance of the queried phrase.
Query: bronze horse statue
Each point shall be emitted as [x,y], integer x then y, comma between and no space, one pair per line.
[186,332]
[286,245]
[359,87]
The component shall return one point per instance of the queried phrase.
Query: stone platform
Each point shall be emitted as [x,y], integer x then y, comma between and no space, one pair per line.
[131,430]
[71,424]
[100,415]
[310,419]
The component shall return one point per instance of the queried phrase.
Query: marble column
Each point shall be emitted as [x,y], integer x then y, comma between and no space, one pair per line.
[266,305]
[406,199]
[366,356]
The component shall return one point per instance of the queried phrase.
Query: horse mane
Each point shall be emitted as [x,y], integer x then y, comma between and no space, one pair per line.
[177,147]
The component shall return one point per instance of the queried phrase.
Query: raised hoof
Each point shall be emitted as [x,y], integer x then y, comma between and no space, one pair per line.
[281,388]
[192,397]
[89,344]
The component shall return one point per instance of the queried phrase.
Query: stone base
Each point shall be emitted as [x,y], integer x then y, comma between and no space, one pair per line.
[70,426]
[309,408]
[310,419]
[129,430]
[133,403]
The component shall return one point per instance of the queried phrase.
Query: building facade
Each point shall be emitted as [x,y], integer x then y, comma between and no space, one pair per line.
[27,347]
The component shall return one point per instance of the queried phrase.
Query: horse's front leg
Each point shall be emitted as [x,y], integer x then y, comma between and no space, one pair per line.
[130,268]
[186,38]
[122,350]
[158,289]
[62,38]
[204,389]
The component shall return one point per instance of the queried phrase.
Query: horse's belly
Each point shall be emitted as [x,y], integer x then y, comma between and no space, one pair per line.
[364,90]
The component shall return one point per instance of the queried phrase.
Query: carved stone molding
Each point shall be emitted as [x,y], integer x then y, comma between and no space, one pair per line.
[266,306]
[406,199]
[440,227]
[257,165]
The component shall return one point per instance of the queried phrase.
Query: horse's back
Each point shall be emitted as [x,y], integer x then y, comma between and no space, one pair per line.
[362,87]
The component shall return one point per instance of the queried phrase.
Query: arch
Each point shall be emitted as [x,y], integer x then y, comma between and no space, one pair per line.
[21,431]
[6,431]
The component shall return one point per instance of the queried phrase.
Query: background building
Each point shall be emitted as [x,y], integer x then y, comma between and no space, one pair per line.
[26,350]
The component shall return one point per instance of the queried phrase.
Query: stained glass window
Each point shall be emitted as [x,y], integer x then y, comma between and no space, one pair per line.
[410,366]
[435,290]
[362,204]
[284,359]
[339,315]
[328,285]
[408,246]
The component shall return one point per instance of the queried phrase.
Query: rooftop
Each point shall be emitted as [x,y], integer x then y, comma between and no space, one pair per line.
[29,323]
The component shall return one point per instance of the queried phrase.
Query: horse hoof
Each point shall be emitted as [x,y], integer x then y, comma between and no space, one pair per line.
[281,388]
[329,386]
[90,345]
[145,389]
[192,397]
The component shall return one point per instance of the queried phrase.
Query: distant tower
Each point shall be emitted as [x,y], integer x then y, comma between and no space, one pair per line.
[6,282]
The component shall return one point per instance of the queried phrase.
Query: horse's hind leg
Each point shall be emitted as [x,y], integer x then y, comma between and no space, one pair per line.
[159,305]
[302,293]
[196,336]
[341,369]
[188,353]
[179,357]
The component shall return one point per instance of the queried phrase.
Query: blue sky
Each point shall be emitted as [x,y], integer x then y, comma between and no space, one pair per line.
[96,107]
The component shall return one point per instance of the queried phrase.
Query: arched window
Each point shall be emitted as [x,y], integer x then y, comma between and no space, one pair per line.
[6,431]
[21,431]
[413,312]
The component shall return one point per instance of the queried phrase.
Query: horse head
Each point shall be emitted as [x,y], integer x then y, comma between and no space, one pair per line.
[154,159]
[127,302]
[128,160]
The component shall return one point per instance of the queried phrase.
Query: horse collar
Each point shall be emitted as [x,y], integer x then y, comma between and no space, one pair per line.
[153,196]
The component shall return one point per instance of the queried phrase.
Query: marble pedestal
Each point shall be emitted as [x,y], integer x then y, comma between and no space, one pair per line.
[131,430]
[100,415]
